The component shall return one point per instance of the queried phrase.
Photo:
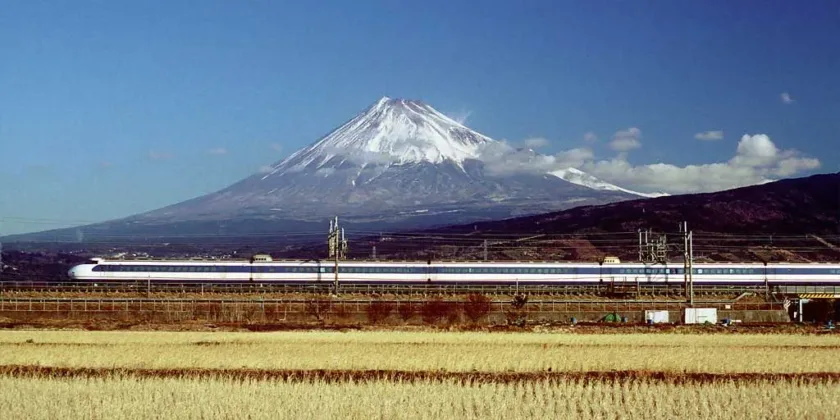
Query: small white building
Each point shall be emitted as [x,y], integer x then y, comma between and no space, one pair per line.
[657,317]
[700,315]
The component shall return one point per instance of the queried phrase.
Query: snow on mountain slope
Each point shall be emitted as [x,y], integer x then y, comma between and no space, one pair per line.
[576,176]
[391,131]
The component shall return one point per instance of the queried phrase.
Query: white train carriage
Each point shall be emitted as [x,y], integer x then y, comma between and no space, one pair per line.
[375,272]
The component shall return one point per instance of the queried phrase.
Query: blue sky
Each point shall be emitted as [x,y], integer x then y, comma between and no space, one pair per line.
[113,108]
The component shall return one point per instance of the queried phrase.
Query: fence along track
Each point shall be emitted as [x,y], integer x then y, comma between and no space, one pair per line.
[400,289]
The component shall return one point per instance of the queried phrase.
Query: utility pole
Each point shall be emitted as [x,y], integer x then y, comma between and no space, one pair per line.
[485,250]
[337,245]
[691,265]
[688,262]
[641,250]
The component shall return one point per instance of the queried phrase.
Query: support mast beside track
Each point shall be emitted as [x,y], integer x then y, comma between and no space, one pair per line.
[688,262]
[337,248]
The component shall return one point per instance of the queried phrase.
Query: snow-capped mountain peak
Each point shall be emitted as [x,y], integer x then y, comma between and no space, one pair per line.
[391,131]
[576,176]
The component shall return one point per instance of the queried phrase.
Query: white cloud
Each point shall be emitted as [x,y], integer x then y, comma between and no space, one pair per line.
[535,142]
[218,151]
[265,169]
[709,135]
[277,147]
[156,155]
[793,165]
[573,157]
[626,140]
[786,98]
[590,137]
[501,158]
[461,116]
[756,160]
[755,151]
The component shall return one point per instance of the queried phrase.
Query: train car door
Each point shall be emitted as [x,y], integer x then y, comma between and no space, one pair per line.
[430,271]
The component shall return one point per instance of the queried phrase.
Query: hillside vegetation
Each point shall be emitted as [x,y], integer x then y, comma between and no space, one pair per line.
[788,220]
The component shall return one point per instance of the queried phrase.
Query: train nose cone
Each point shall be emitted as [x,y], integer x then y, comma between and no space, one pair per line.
[72,273]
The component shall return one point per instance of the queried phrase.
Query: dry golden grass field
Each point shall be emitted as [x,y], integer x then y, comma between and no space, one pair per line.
[390,374]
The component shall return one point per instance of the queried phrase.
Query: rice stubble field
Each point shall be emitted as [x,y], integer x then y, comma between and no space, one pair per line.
[391,374]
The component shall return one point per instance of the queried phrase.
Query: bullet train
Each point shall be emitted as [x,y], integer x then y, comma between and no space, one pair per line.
[262,269]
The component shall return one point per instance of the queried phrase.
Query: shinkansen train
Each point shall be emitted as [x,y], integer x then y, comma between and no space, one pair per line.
[262,269]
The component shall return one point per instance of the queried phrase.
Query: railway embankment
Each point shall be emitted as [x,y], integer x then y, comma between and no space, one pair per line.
[318,311]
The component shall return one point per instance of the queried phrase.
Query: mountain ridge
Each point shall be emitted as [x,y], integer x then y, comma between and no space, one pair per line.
[379,167]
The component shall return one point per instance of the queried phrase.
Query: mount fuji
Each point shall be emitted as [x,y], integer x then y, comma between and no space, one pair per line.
[398,164]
